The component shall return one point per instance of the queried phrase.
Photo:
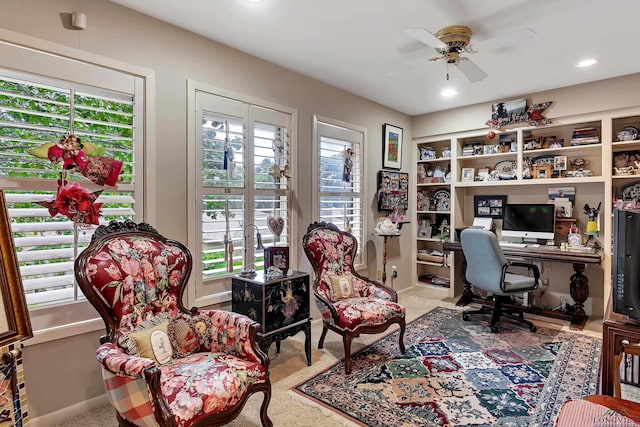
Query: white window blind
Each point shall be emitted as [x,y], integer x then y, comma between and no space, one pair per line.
[242,162]
[34,111]
[340,199]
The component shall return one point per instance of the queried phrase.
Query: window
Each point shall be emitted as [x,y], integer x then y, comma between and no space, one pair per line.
[32,114]
[340,172]
[241,179]
[37,106]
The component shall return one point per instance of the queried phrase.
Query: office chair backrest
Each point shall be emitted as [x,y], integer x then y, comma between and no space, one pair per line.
[485,260]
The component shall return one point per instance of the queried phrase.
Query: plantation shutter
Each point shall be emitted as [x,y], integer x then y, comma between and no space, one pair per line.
[340,189]
[34,111]
[242,161]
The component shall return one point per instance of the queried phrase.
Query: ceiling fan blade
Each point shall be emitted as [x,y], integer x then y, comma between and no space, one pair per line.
[424,36]
[505,40]
[471,71]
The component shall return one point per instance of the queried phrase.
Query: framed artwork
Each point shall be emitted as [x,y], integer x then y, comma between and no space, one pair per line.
[542,171]
[489,206]
[467,174]
[392,146]
[277,256]
[393,190]
[15,324]
[560,163]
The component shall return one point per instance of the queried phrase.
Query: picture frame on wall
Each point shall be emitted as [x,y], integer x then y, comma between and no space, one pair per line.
[277,256]
[393,190]
[489,206]
[392,146]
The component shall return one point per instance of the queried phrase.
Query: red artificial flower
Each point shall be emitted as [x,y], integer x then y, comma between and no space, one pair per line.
[75,203]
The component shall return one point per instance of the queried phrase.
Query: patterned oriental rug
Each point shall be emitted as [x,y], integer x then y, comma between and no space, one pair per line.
[459,373]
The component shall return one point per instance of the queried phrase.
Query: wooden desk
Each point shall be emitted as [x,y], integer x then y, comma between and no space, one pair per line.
[616,329]
[578,284]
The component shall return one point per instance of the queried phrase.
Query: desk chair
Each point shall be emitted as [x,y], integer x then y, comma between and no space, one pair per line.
[487,269]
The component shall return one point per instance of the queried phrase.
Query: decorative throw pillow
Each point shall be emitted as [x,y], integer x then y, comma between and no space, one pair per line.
[189,334]
[128,344]
[342,286]
[153,343]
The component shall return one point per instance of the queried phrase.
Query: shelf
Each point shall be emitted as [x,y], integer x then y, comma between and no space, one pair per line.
[618,177]
[429,239]
[433,212]
[625,145]
[439,160]
[542,181]
[433,264]
[583,150]
[433,184]
[489,156]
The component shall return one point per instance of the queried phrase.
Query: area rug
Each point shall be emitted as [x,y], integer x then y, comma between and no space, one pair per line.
[459,373]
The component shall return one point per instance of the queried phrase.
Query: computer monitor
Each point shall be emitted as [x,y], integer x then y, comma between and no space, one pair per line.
[529,221]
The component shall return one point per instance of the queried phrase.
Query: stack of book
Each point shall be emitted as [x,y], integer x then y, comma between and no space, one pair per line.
[583,136]
[472,149]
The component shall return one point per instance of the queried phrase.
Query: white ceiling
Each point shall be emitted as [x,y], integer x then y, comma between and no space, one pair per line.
[361,45]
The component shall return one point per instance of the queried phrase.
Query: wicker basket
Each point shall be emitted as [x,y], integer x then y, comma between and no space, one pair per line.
[430,258]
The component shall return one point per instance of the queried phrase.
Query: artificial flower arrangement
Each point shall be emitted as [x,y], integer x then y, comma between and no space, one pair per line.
[72,200]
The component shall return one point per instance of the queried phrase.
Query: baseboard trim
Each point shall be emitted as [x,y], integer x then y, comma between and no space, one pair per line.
[61,415]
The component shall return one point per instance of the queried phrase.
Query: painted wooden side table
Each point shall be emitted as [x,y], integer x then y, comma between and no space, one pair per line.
[281,306]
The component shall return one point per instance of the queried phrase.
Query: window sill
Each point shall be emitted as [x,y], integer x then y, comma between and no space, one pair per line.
[65,331]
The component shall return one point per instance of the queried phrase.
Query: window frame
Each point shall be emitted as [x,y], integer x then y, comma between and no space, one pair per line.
[48,60]
[317,120]
[222,284]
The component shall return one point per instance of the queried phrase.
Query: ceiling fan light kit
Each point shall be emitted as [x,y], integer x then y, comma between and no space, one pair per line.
[451,41]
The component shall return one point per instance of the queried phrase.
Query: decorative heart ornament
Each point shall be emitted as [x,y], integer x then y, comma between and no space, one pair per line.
[276,225]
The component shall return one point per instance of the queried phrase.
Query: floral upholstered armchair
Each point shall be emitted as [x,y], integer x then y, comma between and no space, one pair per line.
[164,365]
[350,304]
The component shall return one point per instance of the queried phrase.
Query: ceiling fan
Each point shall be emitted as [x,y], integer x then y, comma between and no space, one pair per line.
[451,41]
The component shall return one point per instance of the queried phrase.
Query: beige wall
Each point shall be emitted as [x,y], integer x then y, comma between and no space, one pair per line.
[600,96]
[175,56]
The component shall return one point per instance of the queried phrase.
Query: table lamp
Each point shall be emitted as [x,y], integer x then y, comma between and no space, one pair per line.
[246,271]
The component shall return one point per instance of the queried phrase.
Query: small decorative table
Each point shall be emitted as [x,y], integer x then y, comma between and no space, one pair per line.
[281,306]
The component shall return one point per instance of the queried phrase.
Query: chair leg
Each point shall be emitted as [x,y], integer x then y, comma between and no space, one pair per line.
[403,326]
[322,337]
[497,312]
[346,339]
[264,417]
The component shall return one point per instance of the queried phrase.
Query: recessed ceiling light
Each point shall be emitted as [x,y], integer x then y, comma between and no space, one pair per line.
[586,63]
[448,93]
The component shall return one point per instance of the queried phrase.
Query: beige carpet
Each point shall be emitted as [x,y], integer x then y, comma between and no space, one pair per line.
[290,368]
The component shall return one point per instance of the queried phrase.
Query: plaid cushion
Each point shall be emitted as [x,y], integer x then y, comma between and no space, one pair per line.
[130,397]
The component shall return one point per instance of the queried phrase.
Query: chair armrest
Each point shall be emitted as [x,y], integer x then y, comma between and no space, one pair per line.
[530,267]
[381,290]
[235,333]
[115,360]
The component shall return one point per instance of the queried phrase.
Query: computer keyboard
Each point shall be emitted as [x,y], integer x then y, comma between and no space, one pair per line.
[513,245]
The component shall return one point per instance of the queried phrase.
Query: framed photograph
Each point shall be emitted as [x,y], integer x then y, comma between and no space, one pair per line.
[533,143]
[277,256]
[560,163]
[15,324]
[393,190]
[541,171]
[489,206]
[562,192]
[467,174]
[392,146]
